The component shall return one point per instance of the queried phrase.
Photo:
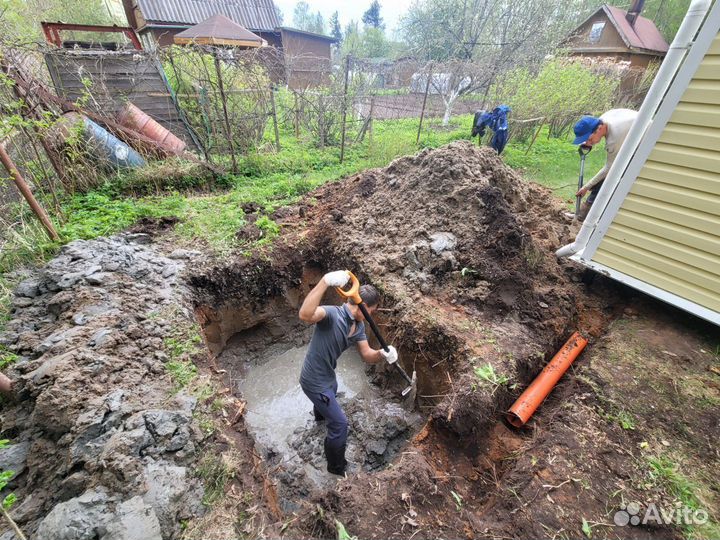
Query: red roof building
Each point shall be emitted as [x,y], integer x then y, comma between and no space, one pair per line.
[611,32]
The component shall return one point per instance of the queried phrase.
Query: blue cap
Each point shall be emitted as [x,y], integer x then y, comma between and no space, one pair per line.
[584,128]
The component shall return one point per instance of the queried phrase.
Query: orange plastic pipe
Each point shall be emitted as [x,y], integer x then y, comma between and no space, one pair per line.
[535,394]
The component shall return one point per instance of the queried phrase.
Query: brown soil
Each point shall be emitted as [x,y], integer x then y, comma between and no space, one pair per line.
[493,294]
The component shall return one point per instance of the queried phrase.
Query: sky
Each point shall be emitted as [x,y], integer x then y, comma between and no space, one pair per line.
[390,10]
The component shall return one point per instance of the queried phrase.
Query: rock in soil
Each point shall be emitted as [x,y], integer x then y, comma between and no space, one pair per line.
[100,453]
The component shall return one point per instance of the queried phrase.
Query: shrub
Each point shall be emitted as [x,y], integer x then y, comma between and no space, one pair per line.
[561,92]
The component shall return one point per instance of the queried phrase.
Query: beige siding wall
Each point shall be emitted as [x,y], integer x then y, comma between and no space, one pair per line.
[667,232]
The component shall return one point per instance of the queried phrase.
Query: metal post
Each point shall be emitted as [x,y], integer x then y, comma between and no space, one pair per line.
[422,113]
[275,121]
[24,189]
[344,114]
[228,131]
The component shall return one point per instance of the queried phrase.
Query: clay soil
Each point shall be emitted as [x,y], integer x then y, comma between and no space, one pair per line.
[462,249]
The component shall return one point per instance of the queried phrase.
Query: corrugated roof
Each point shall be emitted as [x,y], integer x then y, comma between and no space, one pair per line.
[257,15]
[219,27]
[641,35]
[306,33]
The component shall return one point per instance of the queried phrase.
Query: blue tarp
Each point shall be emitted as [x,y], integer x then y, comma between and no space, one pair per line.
[495,120]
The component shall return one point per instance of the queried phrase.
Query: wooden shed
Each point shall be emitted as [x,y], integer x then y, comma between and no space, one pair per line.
[656,223]
[158,21]
[307,57]
[113,77]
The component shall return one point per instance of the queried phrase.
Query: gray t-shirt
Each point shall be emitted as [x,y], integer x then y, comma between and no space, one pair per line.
[329,340]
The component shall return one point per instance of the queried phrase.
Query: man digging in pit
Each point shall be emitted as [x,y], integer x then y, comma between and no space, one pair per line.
[336,328]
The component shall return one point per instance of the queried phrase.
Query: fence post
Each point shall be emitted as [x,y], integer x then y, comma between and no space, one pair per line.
[321,119]
[344,114]
[24,189]
[422,113]
[297,116]
[275,120]
[370,126]
[228,131]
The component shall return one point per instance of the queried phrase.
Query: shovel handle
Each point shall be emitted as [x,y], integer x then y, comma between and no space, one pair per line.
[354,292]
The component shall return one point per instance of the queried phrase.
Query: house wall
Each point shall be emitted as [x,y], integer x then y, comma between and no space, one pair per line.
[667,230]
[307,59]
[609,38]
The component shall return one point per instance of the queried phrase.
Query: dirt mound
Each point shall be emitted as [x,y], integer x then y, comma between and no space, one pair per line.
[455,223]
[474,298]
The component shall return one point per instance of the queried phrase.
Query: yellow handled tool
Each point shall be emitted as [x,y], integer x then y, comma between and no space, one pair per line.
[354,294]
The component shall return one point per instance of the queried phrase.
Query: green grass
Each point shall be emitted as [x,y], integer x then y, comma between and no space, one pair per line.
[215,474]
[554,163]
[664,472]
[181,347]
[6,357]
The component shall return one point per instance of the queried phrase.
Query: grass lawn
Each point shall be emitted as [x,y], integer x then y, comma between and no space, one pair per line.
[271,179]
[554,163]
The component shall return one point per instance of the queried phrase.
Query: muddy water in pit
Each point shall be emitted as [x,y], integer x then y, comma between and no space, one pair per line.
[278,414]
[277,407]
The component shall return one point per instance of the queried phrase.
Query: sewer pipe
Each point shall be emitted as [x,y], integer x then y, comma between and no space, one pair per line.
[540,388]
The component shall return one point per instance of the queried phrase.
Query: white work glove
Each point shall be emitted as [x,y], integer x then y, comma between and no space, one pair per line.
[391,355]
[337,279]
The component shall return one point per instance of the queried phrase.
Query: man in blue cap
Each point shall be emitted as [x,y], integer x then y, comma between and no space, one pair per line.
[614,126]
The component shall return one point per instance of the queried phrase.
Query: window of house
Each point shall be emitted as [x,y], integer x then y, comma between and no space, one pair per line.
[596,31]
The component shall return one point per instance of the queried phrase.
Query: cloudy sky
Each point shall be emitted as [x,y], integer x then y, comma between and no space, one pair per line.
[390,10]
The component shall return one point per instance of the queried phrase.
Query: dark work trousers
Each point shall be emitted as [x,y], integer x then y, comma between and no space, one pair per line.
[337,425]
[593,193]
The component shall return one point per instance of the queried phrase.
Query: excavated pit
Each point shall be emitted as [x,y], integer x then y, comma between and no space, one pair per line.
[461,248]
[261,355]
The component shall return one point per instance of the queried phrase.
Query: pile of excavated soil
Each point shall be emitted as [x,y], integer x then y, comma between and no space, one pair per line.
[456,224]
[101,445]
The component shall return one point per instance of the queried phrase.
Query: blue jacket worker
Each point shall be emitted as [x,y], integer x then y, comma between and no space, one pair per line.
[336,328]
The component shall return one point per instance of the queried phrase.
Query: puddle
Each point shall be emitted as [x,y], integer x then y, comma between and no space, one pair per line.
[275,404]
[265,365]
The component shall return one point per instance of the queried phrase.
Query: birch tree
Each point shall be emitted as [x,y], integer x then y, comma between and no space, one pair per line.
[471,42]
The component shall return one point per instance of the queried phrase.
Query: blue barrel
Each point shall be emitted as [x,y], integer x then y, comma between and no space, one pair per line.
[111,149]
